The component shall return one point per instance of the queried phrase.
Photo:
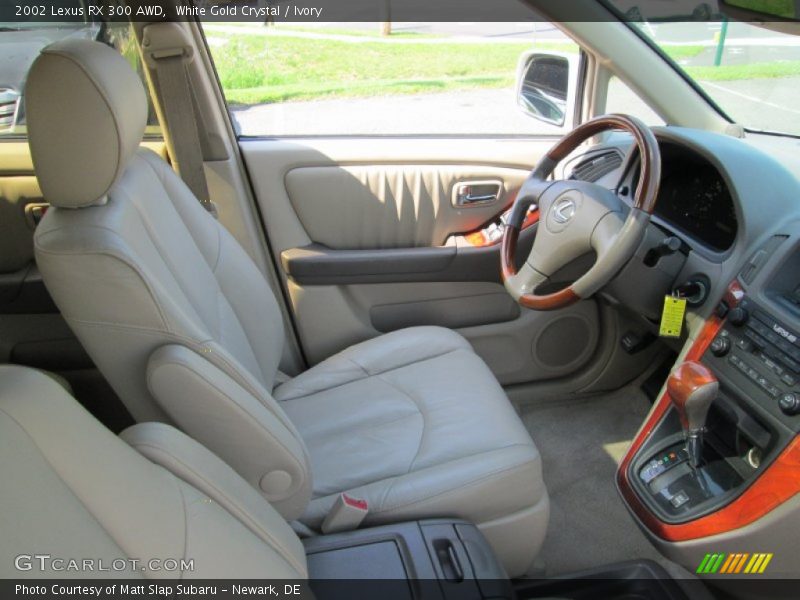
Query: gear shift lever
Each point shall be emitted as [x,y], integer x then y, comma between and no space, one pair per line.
[692,388]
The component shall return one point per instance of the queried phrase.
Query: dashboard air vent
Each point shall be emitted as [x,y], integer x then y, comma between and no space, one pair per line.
[9,103]
[596,166]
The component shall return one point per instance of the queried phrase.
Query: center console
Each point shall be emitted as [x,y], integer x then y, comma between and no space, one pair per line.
[423,560]
[445,559]
[760,356]
[754,417]
[747,462]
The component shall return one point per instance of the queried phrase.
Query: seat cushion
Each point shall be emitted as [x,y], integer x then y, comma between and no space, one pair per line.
[72,489]
[414,422]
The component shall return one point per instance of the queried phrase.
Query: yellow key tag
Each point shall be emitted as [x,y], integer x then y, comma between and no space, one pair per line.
[672,317]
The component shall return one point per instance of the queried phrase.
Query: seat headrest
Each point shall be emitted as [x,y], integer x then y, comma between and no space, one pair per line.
[86,111]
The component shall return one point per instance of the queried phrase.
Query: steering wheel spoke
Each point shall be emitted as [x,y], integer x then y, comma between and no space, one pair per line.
[530,194]
[604,237]
[525,281]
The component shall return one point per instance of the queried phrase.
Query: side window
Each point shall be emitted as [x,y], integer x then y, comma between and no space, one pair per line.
[622,99]
[24,41]
[291,79]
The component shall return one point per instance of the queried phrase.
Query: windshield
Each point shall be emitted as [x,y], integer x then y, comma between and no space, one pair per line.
[751,72]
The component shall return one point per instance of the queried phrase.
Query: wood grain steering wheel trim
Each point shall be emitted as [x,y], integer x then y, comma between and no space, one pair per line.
[558,299]
[644,198]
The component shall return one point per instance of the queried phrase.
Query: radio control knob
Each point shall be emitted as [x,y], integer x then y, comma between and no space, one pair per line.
[720,346]
[738,316]
[790,404]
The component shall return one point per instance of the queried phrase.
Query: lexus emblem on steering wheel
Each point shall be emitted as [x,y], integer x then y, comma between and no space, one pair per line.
[564,210]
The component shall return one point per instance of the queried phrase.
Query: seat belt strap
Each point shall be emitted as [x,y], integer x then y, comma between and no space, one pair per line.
[178,107]
[176,99]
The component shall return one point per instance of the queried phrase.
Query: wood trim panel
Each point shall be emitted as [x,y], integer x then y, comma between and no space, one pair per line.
[685,380]
[778,483]
[478,239]
[560,299]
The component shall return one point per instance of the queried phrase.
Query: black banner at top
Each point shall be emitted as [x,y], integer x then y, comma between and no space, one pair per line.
[16,13]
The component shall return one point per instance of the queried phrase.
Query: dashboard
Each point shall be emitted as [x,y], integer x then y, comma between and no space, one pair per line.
[720,198]
[695,199]
[734,206]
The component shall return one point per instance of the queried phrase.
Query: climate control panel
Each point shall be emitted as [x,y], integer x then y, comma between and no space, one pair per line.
[762,356]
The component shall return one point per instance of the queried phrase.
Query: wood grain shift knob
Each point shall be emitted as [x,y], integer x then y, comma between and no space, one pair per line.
[692,387]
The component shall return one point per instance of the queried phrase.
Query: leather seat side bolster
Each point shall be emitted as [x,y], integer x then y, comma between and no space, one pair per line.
[245,431]
[203,470]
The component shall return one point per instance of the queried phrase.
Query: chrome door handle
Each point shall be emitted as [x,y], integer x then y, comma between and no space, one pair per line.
[469,198]
[477,193]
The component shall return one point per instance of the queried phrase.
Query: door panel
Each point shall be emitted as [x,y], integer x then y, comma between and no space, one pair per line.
[457,312]
[21,287]
[364,231]
[32,331]
[316,264]
[16,232]
[392,206]
[270,161]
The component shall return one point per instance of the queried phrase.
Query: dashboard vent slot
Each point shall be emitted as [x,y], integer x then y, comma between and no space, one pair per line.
[9,104]
[753,266]
[597,166]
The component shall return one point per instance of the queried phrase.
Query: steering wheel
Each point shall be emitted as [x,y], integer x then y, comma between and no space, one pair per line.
[578,217]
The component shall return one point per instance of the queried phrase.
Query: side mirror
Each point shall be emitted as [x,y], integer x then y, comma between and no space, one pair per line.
[546,86]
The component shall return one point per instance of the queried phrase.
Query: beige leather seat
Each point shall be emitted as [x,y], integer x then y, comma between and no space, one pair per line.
[73,491]
[186,329]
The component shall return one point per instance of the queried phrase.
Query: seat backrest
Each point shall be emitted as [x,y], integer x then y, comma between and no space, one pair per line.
[135,264]
[74,491]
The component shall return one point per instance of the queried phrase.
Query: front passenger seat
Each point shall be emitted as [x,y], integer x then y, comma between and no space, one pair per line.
[73,491]
[186,329]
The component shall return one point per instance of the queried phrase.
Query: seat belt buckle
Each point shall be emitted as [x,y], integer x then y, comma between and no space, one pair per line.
[346,514]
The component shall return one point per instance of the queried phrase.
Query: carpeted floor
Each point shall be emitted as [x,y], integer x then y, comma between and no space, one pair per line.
[581,443]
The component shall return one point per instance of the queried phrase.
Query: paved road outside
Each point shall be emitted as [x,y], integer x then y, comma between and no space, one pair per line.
[759,103]
[447,113]
[431,114]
